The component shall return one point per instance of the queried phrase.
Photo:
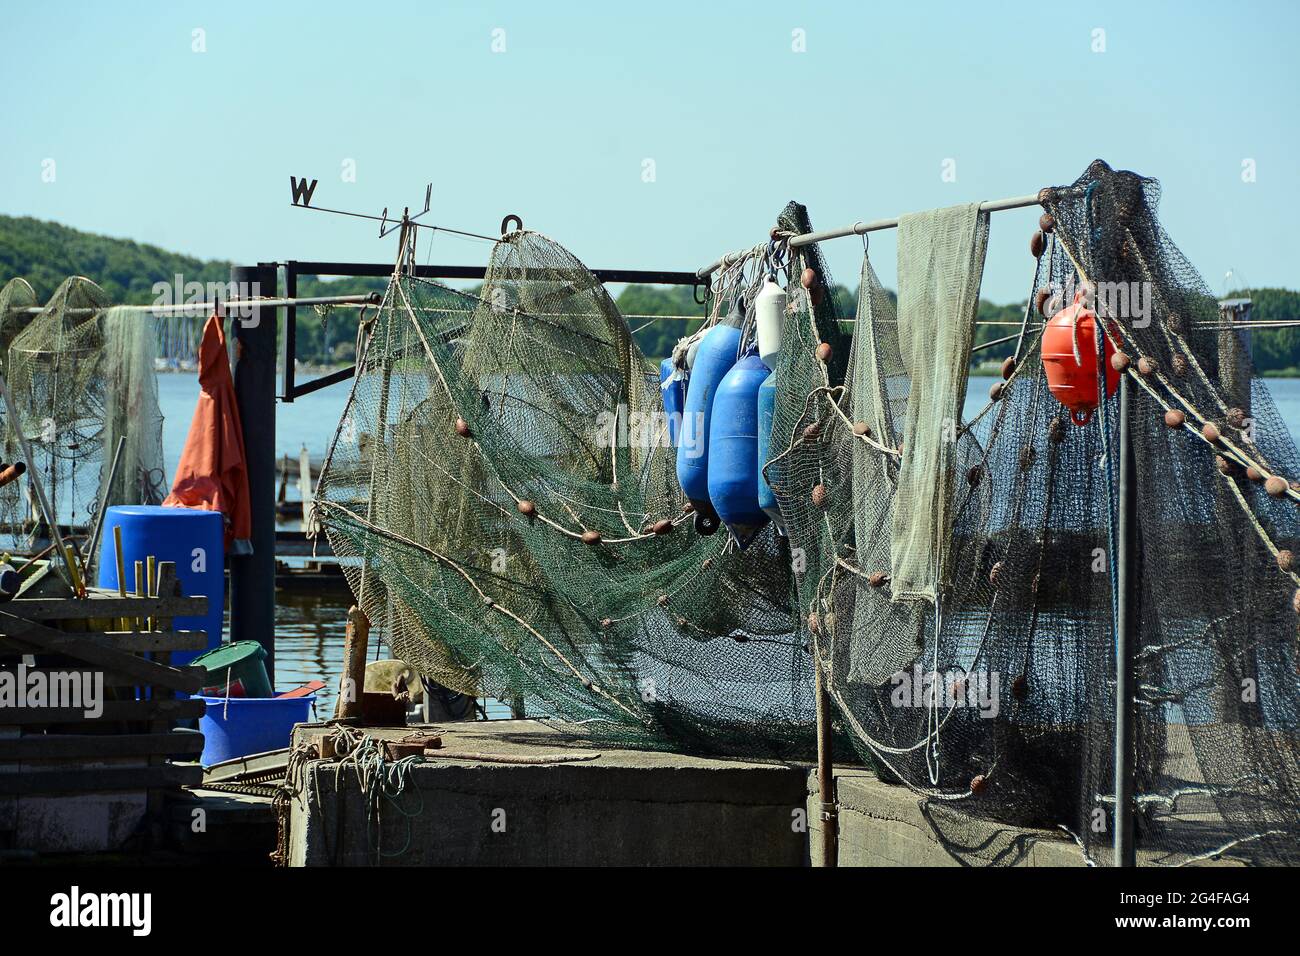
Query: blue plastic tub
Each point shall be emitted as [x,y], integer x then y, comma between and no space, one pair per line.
[194,539]
[249,725]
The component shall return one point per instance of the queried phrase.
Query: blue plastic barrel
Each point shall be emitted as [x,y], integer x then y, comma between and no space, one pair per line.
[672,385]
[766,412]
[249,725]
[716,356]
[733,449]
[193,539]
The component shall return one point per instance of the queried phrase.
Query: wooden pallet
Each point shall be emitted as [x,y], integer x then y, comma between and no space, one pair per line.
[75,778]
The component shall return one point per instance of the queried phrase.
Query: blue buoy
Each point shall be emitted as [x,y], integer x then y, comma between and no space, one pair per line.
[672,385]
[766,412]
[733,449]
[716,356]
[193,539]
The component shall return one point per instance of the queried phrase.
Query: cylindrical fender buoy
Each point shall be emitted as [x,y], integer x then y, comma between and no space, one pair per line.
[733,449]
[769,314]
[672,386]
[766,412]
[716,356]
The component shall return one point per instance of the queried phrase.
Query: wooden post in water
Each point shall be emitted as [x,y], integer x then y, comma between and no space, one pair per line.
[304,486]
[353,682]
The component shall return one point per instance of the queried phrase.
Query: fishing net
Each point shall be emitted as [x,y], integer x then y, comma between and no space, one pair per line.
[493,492]
[501,493]
[997,699]
[17,300]
[941,255]
[132,445]
[83,381]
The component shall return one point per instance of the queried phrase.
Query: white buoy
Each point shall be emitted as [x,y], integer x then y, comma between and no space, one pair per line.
[769,309]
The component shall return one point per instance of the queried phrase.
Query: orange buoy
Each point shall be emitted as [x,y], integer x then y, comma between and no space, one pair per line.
[1074,383]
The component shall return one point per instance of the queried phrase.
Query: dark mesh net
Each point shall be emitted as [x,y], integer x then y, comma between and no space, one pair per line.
[998,700]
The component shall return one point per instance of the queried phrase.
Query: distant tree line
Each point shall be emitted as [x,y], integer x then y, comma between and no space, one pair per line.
[46,253]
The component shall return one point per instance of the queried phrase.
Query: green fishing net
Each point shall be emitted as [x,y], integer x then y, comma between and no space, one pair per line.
[493,491]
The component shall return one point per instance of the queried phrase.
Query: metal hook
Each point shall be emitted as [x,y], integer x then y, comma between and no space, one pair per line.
[863,234]
[519,224]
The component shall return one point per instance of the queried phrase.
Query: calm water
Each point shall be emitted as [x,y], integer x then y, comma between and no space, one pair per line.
[309,626]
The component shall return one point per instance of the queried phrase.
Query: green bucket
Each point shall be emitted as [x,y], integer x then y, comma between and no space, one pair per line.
[239,667]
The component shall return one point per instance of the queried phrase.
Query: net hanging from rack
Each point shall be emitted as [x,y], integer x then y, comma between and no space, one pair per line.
[83,376]
[997,700]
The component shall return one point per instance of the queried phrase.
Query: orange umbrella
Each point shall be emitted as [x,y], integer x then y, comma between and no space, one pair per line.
[212,474]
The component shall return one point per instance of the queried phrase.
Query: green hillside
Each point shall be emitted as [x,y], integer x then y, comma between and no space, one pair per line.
[45,253]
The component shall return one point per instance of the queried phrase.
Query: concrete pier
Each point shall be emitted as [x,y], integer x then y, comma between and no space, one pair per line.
[631,808]
[619,808]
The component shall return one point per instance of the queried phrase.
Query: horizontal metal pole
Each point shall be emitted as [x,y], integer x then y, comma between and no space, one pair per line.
[316,384]
[381,270]
[861,228]
[369,298]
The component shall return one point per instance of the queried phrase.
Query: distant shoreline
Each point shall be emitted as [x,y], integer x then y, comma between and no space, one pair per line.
[300,369]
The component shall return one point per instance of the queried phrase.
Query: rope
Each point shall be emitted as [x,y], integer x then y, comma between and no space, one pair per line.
[383,783]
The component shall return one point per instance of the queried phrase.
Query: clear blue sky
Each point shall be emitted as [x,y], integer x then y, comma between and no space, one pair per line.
[192,151]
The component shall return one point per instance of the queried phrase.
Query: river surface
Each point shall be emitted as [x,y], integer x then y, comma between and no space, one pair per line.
[310,626]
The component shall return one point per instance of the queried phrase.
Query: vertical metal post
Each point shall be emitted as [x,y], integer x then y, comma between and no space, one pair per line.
[252,576]
[826,771]
[290,347]
[1126,636]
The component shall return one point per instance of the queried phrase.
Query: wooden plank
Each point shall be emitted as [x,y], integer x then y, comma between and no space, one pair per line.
[114,710]
[355,642]
[166,585]
[111,678]
[109,605]
[90,779]
[55,675]
[62,746]
[186,680]
[135,642]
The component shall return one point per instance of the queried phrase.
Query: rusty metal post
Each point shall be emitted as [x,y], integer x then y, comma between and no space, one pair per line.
[826,772]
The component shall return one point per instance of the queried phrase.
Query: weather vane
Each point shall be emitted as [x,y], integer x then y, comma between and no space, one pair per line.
[302,191]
